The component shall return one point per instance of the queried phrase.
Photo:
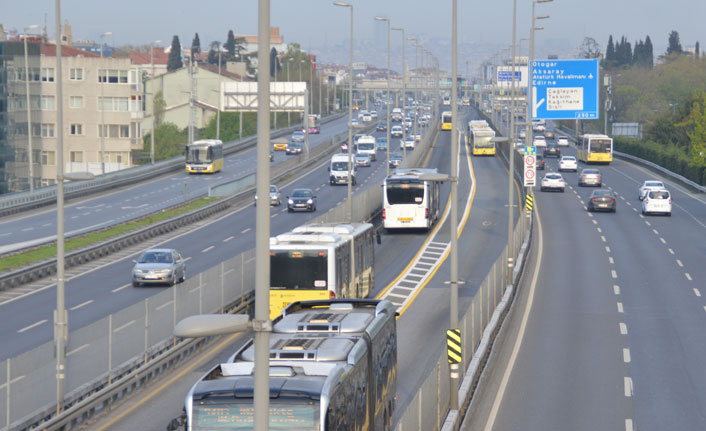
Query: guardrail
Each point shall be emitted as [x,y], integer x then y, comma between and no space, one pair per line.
[23,201]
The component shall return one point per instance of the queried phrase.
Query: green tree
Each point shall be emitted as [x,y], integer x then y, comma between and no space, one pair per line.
[159,106]
[649,53]
[589,48]
[169,141]
[697,50]
[696,132]
[174,61]
[674,46]
[609,60]
[274,63]
[195,46]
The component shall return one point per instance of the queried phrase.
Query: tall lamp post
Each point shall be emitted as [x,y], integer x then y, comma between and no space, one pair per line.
[289,66]
[152,44]
[530,86]
[30,158]
[389,102]
[404,89]
[350,114]
[102,82]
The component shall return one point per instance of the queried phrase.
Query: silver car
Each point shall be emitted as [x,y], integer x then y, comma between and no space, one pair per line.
[274,196]
[159,266]
[362,159]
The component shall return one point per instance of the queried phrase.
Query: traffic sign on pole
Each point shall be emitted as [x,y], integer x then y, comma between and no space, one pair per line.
[529,176]
[565,89]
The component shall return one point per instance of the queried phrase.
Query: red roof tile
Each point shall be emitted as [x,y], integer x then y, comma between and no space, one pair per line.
[49,50]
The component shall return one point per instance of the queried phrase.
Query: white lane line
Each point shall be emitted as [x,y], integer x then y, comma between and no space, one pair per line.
[623,328]
[648,223]
[228,239]
[628,425]
[46,225]
[27,229]
[186,259]
[620,307]
[641,216]
[628,387]
[662,240]
[164,305]
[622,197]
[603,238]
[83,304]
[607,249]
[613,273]
[120,328]
[33,325]
[626,355]
[671,251]
[655,231]
[697,292]
[246,230]
[274,215]
[594,221]
[6,234]
[208,249]
[610,260]
[616,289]
[599,230]
[634,209]
[120,288]
[78,349]
[688,276]
[628,203]
[590,214]
[679,263]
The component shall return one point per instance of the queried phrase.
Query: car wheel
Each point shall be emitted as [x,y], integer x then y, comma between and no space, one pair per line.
[175,280]
[669,214]
[135,284]
[543,189]
[183,276]
[561,190]
[615,210]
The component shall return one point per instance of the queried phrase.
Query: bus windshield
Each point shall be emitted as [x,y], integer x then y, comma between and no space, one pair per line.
[600,145]
[483,140]
[405,192]
[199,154]
[240,416]
[305,269]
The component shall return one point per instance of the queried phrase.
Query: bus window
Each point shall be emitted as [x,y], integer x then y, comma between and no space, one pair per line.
[304,269]
[405,193]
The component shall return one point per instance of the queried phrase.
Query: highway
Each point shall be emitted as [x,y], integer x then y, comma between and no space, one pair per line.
[135,201]
[607,330]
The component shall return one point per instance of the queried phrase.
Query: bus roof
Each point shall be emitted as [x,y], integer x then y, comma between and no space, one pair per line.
[347,229]
[411,173]
[207,142]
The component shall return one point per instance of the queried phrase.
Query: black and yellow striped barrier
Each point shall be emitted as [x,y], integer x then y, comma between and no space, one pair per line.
[529,202]
[453,345]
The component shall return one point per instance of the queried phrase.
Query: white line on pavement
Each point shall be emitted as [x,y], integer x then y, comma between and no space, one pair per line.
[83,304]
[33,325]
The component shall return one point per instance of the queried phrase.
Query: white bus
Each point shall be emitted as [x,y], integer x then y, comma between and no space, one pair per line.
[409,202]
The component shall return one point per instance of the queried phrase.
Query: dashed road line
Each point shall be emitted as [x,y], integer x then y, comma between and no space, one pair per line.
[697,292]
[679,263]
[623,328]
[209,248]
[662,240]
[671,251]
[626,355]
[228,239]
[620,307]
[246,230]
[83,304]
[616,289]
[628,386]
[607,249]
[688,276]
[33,325]
[603,238]
[655,231]
[120,288]
[610,260]
[613,273]
[628,425]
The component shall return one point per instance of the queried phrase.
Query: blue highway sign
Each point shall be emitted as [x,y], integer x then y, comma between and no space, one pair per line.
[565,89]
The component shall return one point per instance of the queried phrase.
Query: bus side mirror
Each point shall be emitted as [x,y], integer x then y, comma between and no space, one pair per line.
[377,237]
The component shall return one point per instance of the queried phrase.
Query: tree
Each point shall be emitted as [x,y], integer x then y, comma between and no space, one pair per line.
[649,53]
[169,141]
[195,46]
[589,48]
[275,67]
[159,106]
[230,44]
[697,50]
[174,61]
[234,47]
[674,43]
[697,129]
[609,53]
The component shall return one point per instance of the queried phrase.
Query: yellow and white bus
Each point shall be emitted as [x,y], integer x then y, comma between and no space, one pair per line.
[409,201]
[446,120]
[204,156]
[481,141]
[595,149]
[321,261]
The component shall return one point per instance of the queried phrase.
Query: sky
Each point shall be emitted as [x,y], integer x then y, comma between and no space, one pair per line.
[317,24]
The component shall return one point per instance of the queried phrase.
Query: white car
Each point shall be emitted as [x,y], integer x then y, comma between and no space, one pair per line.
[553,181]
[562,141]
[396,131]
[539,141]
[374,114]
[649,185]
[657,202]
[568,163]
[409,142]
[523,133]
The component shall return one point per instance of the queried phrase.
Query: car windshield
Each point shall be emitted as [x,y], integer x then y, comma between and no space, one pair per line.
[395,156]
[553,176]
[155,257]
[381,140]
[300,193]
[653,184]
[273,189]
[568,159]
[661,194]
[602,193]
[339,166]
[590,172]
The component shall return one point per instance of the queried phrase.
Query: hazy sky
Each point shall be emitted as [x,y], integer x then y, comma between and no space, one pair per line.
[317,23]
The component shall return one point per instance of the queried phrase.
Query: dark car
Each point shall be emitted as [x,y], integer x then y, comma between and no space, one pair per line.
[540,163]
[294,148]
[602,200]
[301,200]
[382,126]
[552,149]
[395,159]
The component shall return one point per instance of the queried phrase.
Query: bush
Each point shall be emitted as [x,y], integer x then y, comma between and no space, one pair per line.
[669,157]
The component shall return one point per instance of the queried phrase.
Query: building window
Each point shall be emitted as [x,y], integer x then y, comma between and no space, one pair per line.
[112,76]
[47,74]
[136,103]
[76,74]
[76,129]
[113,104]
[48,158]
[76,102]
[136,130]
[47,130]
[77,157]
[48,182]
[124,130]
[36,130]
[47,103]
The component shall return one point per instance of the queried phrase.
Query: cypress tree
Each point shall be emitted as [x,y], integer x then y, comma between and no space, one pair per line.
[174,61]
[649,53]
[697,50]
[674,43]
[195,46]
[610,51]
[230,45]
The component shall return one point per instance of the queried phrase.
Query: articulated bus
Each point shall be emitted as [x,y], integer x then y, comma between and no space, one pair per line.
[314,124]
[595,149]
[204,156]
[333,367]
[481,141]
[446,120]
[408,201]
[321,261]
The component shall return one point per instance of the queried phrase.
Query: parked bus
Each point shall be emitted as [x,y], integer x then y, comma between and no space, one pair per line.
[595,149]
[314,124]
[481,141]
[321,261]
[446,120]
[408,201]
[333,367]
[204,156]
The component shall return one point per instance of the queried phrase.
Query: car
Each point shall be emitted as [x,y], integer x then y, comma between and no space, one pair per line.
[602,200]
[301,200]
[407,122]
[657,202]
[381,126]
[344,147]
[649,185]
[539,162]
[159,266]
[280,144]
[274,196]
[523,133]
[374,114]
[553,181]
[298,136]
[395,159]
[539,141]
[552,149]
[562,141]
[396,132]
[568,163]
[381,143]
[294,148]
[549,135]
[417,137]
[590,177]
[362,159]
[355,123]
[408,142]
[520,147]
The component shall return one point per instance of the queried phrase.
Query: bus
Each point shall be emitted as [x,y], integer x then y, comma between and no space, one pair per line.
[595,149]
[314,124]
[321,261]
[447,100]
[481,141]
[446,120]
[409,201]
[204,156]
[333,367]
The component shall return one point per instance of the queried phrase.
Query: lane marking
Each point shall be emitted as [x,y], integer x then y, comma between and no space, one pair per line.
[599,229]
[671,251]
[696,292]
[626,355]
[662,240]
[628,387]
[679,263]
[610,260]
[628,425]
[120,328]
[607,249]
[33,325]
[629,204]
[620,307]
[613,273]
[83,304]
[121,288]
[594,221]
[209,248]
[166,304]
[603,238]
[228,239]
[616,289]
[688,276]
[655,231]
[78,349]
[246,230]
[648,223]
[623,328]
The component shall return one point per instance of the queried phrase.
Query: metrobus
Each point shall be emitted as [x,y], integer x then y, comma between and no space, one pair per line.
[332,367]
[204,156]
[314,124]
[447,100]
[446,120]
[595,149]
[321,261]
[409,201]
[481,141]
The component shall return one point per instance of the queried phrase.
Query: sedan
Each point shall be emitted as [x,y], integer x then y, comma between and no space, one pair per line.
[301,200]
[362,159]
[395,159]
[552,149]
[539,141]
[381,126]
[553,181]
[562,141]
[590,177]
[396,131]
[602,200]
[298,136]
[293,148]
[409,142]
[381,144]
[274,196]
[159,266]
[539,162]
[568,163]
[649,185]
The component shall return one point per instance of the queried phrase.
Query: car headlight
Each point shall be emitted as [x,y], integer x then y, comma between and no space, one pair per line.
[310,201]
[162,271]
[290,202]
[138,271]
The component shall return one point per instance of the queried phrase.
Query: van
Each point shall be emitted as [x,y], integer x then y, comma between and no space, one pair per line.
[366,145]
[396,114]
[338,170]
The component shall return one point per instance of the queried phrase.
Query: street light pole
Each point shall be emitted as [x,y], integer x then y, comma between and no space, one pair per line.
[153,93]
[30,173]
[387,109]
[102,83]
[511,154]
[349,200]
[530,83]
[220,100]
[289,65]
[404,89]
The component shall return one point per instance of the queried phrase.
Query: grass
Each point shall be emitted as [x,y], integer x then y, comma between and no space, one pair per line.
[47,251]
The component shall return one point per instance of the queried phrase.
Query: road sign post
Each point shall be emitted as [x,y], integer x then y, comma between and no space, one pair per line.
[530,173]
[565,89]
